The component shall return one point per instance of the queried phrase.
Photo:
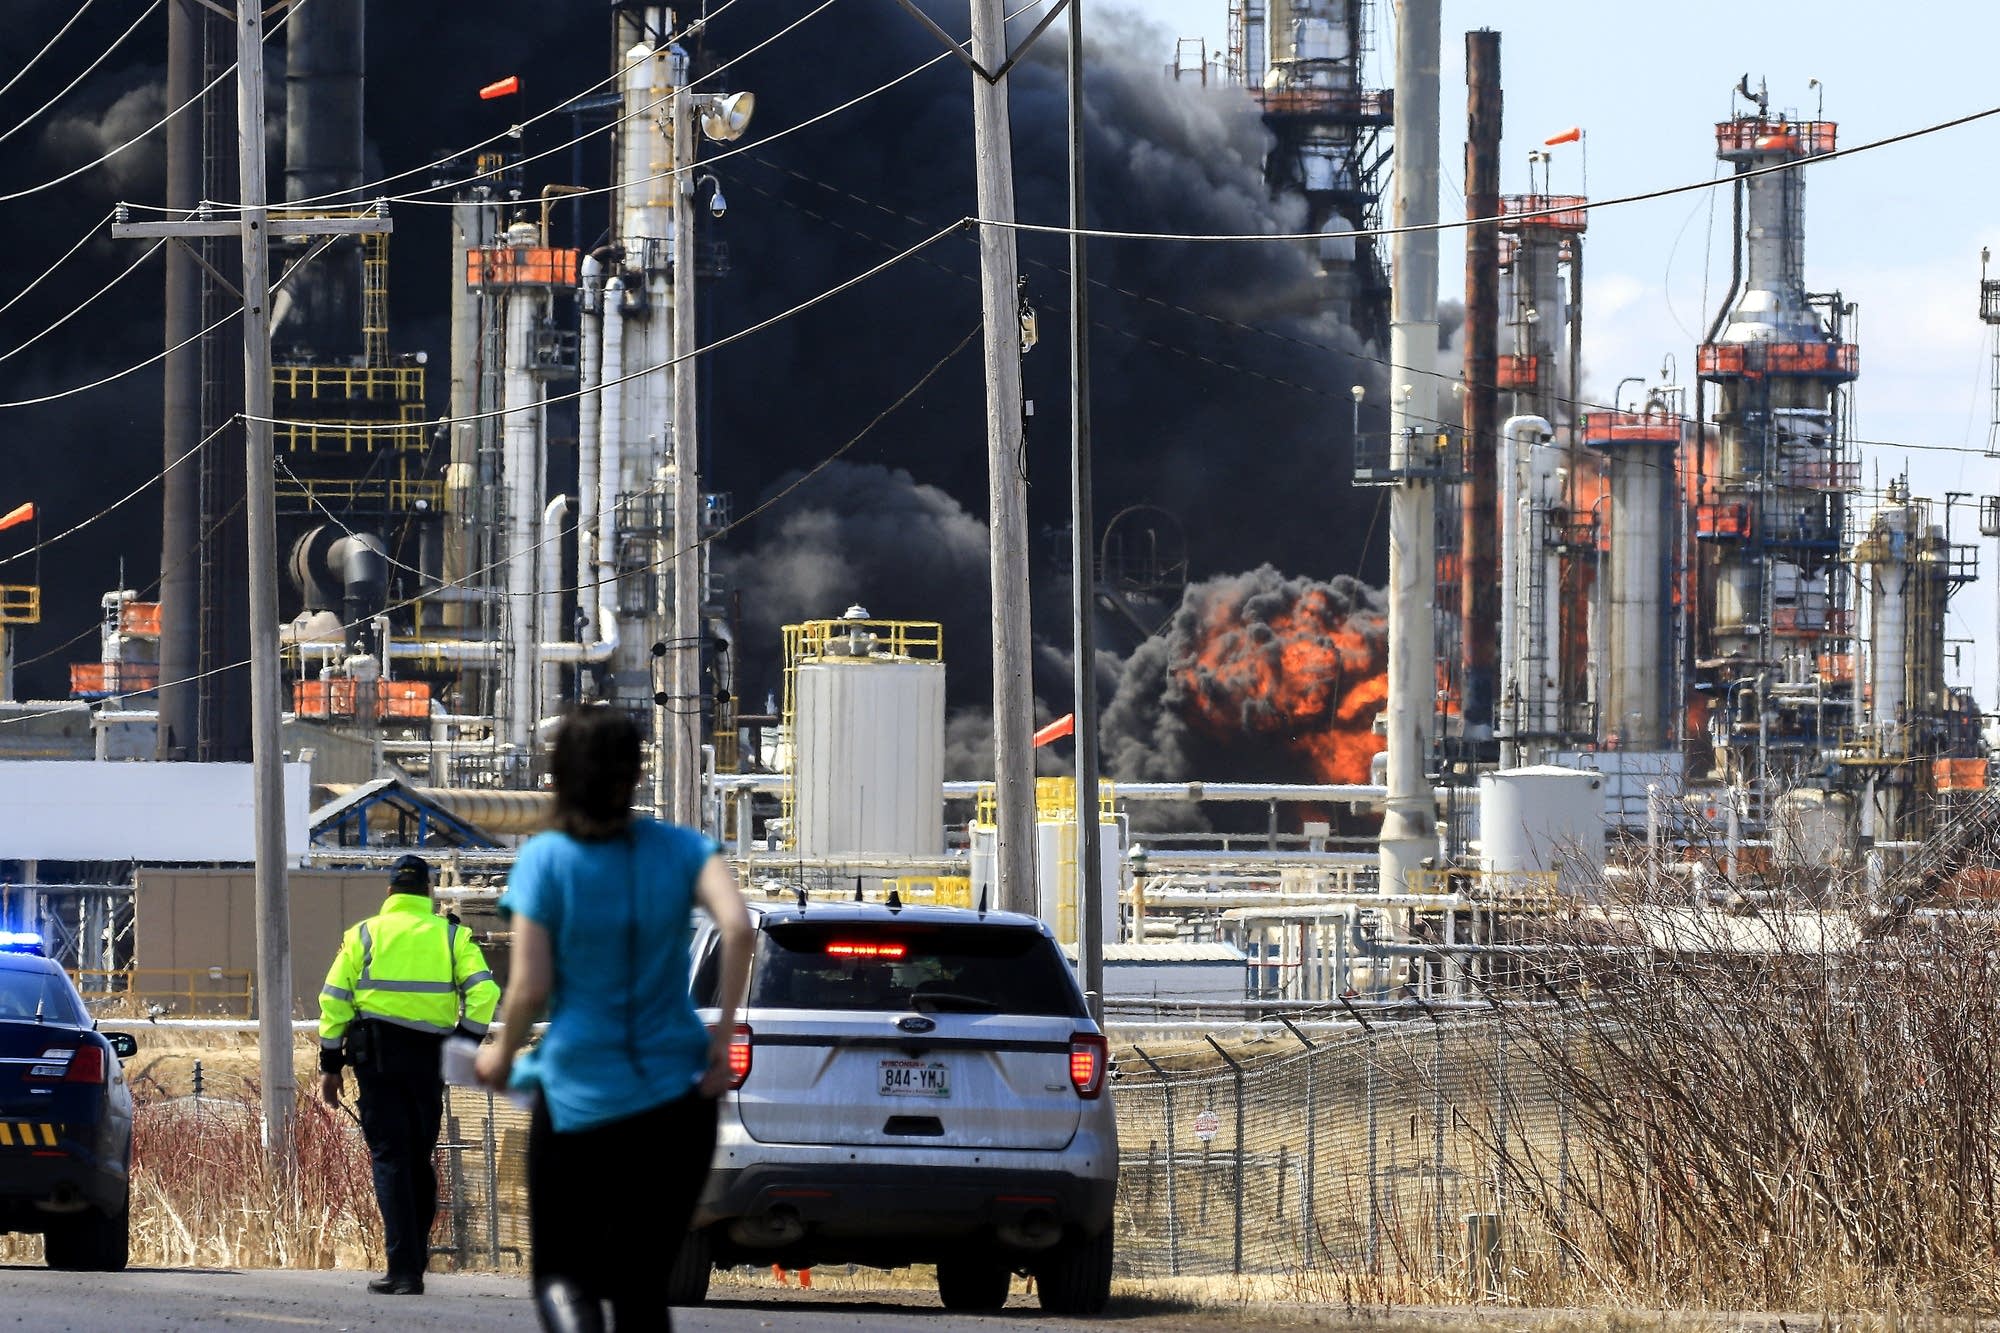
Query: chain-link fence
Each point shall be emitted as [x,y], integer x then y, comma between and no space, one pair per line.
[1382,1155]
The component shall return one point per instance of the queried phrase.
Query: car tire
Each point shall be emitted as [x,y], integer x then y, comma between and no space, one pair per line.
[90,1242]
[687,1280]
[1075,1277]
[973,1285]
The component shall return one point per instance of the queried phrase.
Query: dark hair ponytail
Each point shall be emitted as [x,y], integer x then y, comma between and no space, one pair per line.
[594,765]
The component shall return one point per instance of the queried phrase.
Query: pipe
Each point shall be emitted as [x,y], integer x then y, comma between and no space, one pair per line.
[589,417]
[610,478]
[524,485]
[325,67]
[552,583]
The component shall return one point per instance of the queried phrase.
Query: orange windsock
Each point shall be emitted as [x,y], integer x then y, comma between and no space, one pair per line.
[18,515]
[1570,135]
[1056,730]
[506,87]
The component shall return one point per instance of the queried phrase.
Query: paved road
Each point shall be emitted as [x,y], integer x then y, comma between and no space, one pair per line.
[171,1299]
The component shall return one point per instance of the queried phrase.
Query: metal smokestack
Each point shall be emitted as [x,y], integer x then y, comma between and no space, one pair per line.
[325,64]
[1479,594]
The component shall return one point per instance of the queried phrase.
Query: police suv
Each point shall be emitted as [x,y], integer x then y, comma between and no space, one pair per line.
[65,1115]
[912,1085]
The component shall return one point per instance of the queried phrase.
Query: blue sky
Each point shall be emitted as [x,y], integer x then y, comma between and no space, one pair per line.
[1898,229]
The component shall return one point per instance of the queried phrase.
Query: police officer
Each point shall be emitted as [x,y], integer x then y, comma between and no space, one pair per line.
[404,980]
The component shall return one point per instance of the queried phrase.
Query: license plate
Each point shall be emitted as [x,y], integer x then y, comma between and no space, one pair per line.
[915,1078]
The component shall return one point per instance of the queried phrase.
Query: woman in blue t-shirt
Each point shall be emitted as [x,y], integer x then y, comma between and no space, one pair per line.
[626,1075]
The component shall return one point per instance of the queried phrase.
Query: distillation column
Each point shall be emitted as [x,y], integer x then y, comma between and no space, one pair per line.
[1774,513]
[1301,60]
[1638,449]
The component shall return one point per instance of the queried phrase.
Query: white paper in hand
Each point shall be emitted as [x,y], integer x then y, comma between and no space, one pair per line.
[459,1053]
[456,1065]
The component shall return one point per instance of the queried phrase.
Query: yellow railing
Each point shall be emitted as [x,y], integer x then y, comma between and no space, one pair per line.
[1055,802]
[398,384]
[1522,886]
[883,640]
[934,890]
[20,604]
[225,991]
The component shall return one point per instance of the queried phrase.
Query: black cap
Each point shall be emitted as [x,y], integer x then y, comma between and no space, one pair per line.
[411,874]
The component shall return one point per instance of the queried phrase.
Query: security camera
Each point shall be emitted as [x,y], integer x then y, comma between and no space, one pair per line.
[717,205]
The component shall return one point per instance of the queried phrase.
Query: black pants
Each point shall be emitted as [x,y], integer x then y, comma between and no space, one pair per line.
[402,1103]
[581,1186]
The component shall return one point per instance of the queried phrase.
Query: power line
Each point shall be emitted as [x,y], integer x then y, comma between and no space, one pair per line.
[84,304]
[119,503]
[89,235]
[142,135]
[689,355]
[116,375]
[47,46]
[1505,219]
[67,88]
[466,579]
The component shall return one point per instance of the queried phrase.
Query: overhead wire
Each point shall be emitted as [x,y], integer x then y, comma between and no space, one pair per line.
[67,88]
[84,304]
[142,135]
[705,539]
[1464,224]
[117,375]
[90,234]
[120,502]
[47,46]
[725,341]
[366,192]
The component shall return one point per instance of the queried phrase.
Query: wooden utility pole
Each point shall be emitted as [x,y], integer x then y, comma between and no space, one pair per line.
[274,910]
[1083,573]
[254,228]
[682,717]
[1006,466]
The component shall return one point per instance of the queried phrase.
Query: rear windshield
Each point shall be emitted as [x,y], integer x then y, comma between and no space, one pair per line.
[897,967]
[33,993]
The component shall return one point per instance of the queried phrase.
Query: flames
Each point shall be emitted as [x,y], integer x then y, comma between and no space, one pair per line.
[1287,664]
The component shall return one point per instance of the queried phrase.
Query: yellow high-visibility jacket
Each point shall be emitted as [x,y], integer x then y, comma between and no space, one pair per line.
[409,967]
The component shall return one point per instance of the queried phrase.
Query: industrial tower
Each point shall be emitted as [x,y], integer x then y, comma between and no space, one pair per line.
[1776,653]
[1301,61]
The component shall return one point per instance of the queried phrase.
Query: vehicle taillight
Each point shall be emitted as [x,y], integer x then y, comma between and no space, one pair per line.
[739,1055]
[61,1064]
[857,949]
[1088,1055]
[86,1066]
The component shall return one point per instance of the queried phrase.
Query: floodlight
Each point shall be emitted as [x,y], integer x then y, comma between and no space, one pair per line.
[724,116]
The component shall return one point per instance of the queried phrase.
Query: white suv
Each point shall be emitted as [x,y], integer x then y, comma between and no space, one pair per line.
[913,1085]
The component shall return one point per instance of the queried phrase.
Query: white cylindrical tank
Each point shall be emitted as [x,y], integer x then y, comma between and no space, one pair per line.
[1812,828]
[1541,819]
[1886,551]
[869,756]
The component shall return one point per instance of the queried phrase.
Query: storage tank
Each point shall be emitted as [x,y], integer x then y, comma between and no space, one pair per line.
[1543,819]
[868,737]
[1811,828]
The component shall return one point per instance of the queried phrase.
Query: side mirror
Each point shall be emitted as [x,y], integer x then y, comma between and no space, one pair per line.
[123,1044]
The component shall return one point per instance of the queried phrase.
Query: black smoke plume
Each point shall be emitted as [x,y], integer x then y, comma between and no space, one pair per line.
[1220,394]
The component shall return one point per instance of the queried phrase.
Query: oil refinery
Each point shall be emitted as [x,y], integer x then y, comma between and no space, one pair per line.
[1667,632]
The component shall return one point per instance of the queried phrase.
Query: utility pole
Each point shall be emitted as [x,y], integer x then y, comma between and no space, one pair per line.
[683,714]
[254,228]
[1006,467]
[181,536]
[1083,575]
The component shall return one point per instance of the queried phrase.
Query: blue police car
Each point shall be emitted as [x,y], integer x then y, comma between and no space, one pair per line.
[65,1115]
